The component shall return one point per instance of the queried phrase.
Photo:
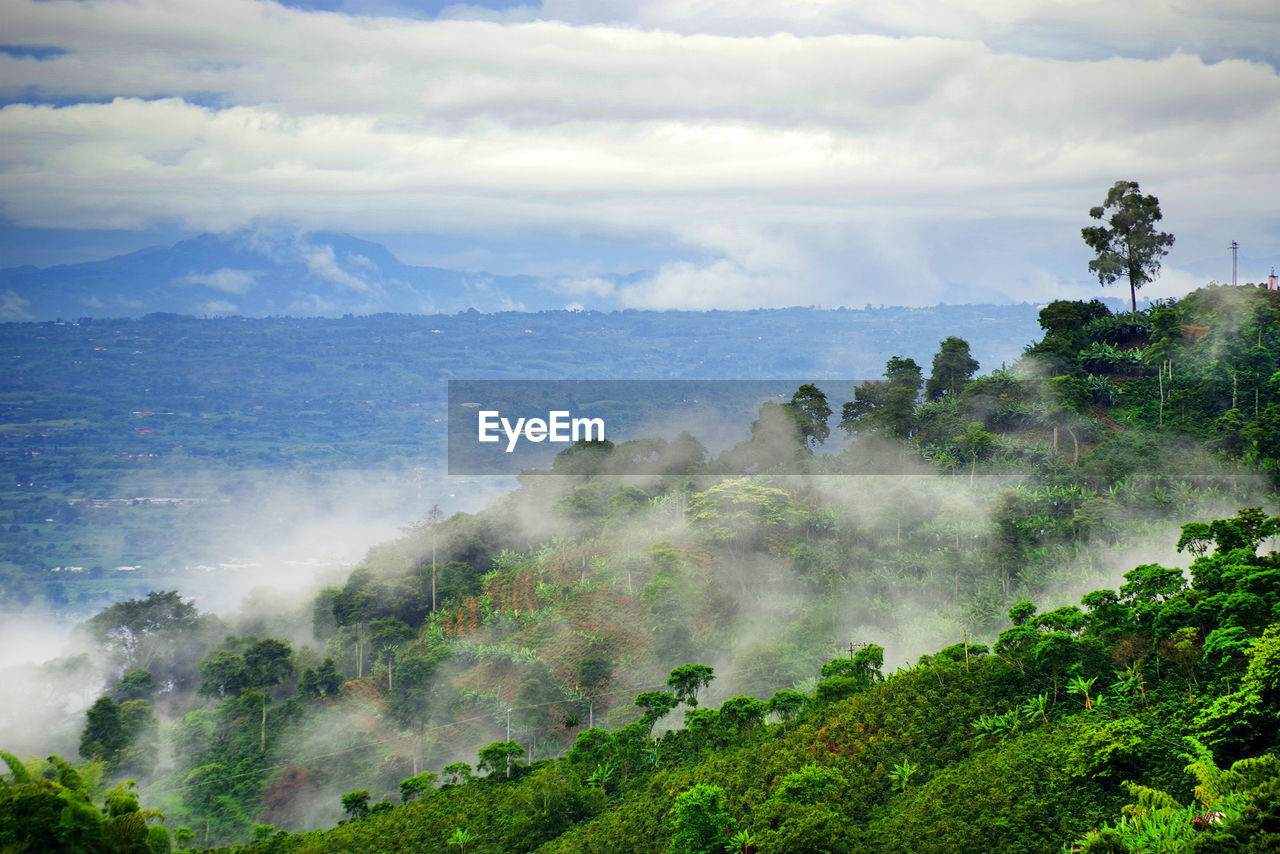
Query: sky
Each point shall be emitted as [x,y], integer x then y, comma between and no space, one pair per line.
[732,153]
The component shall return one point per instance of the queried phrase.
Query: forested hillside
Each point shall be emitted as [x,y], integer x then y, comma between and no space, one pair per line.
[1032,610]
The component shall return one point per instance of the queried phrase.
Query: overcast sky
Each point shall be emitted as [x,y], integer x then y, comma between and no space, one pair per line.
[743,152]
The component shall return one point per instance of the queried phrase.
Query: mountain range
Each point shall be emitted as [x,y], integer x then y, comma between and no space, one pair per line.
[260,273]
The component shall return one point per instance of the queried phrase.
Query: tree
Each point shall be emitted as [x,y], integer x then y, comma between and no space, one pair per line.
[811,784]
[433,525]
[887,406]
[656,706]
[268,662]
[457,772]
[686,679]
[39,813]
[140,631]
[974,443]
[681,454]
[743,712]
[500,755]
[810,409]
[952,368]
[356,804]
[413,787]
[844,677]
[1128,245]
[786,704]
[135,685]
[223,673]
[699,822]
[900,776]
[1243,722]
[104,732]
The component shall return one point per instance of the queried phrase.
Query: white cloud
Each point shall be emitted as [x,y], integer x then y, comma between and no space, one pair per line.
[216,306]
[227,281]
[14,307]
[836,139]
[592,286]
[322,263]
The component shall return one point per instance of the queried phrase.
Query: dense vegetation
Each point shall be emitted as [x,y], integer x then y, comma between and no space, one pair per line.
[891,665]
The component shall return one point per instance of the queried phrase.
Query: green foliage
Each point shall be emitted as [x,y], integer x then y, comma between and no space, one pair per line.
[1243,721]
[500,758]
[786,704]
[902,773]
[808,406]
[811,784]
[887,406]
[461,838]
[415,786]
[952,368]
[1128,245]
[687,679]
[356,804]
[39,814]
[699,822]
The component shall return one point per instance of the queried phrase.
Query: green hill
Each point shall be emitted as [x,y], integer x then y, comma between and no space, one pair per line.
[882,680]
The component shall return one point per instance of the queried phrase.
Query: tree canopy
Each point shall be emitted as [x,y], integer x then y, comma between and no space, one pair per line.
[1128,245]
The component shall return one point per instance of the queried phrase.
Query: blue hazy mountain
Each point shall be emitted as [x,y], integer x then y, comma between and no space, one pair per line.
[260,273]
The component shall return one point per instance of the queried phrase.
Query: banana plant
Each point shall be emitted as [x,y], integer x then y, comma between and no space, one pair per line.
[1036,708]
[1008,723]
[1080,685]
[742,842]
[600,777]
[985,726]
[1130,682]
[901,774]
[461,838]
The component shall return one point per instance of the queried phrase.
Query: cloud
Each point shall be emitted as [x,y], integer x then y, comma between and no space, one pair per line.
[812,127]
[322,263]
[592,286]
[14,307]
[216,306]
[225,280]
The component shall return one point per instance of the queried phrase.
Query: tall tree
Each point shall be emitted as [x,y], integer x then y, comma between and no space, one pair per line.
[887,406]
[138,632]
[810,409]
[687,679]
[1129,244]
[953,366]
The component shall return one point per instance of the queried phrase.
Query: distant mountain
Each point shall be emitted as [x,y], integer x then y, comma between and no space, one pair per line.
[259,273]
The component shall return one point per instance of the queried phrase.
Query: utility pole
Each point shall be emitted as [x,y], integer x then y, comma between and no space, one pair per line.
[508,741]
[1235,247]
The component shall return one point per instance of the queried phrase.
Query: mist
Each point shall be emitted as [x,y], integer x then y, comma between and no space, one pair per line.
[765,578]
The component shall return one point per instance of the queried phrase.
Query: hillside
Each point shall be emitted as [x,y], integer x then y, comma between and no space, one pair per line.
[969,631]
